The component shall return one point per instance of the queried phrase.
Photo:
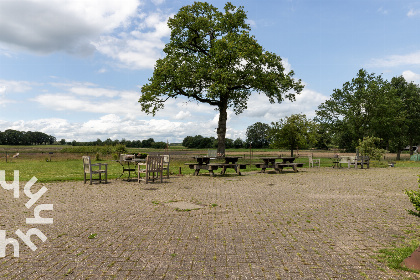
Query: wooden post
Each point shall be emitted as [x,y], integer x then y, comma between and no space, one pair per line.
[180,173]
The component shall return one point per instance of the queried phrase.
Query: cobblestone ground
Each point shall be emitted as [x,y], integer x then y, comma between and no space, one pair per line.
[315,224]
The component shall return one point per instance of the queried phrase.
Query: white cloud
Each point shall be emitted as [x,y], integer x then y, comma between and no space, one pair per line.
[413,13]
[410,76]
[252,23]
[139,48]
[397,60]
[114,127]
[183,115]
[11,86]
[46,26]
[383,11]
[306,103]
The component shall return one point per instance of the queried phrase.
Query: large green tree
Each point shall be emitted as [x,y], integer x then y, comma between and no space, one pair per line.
[293,132]
[211,58]
[365,106]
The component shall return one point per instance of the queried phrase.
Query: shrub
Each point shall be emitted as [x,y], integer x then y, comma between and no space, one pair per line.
[415,200]
[368,147]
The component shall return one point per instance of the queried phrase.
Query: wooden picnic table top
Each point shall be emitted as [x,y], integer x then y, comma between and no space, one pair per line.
[273,159]
[206,159]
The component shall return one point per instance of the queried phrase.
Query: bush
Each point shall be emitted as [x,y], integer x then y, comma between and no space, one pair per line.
[367,147]
[415,200]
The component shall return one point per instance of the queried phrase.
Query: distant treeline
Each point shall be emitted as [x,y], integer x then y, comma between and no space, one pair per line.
[200,142]
[149,143]
[15,137]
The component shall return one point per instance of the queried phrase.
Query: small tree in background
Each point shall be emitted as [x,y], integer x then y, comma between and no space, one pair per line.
[368,147]
[291,132]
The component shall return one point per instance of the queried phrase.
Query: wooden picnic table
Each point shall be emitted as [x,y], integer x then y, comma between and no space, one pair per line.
[203,162]
[270,162]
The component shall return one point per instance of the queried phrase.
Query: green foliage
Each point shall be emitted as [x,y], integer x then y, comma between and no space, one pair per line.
[101,150]
[120,149]
[368,105]
[369,147]
[292,132]
[257,135]
[142,155]
[395,256]
[414,197]
[15,137]
[211,58]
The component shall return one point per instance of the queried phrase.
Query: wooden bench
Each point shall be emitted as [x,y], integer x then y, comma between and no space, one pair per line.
[360,160]
[264,166]
[280,166]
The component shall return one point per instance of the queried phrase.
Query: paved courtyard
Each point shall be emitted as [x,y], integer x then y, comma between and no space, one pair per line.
[319,223]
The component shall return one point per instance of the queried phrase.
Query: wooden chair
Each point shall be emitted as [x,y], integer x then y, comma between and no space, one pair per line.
[87,169]
[151,168]
[312,161]
[166,160]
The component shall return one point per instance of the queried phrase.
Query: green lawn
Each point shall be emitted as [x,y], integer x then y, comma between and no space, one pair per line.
[35,161]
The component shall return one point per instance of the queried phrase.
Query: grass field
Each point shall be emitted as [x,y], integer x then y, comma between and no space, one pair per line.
[48,164]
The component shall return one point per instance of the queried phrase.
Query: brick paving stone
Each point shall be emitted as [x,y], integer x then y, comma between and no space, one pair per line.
[314,224]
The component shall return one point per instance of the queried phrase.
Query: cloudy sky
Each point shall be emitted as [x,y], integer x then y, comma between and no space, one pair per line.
[74,68]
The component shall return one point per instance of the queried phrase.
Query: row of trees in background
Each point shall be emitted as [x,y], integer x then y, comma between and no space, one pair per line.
[15,137]
[200,142]
[368,108]
[147,143]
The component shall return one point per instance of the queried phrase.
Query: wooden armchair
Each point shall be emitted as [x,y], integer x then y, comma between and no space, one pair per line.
[312,161]
[88,169]
[151,168]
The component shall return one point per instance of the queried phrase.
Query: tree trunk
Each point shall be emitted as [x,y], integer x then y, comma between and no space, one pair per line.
[399,155]
[221,130]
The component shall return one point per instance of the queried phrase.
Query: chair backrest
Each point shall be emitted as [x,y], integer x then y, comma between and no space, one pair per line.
[154,163]
[166,159]
[344,159]
[86,164]
[212,153]
[352,159]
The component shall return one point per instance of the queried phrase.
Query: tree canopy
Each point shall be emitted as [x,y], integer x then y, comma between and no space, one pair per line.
[211,58]
[293,132]
[257,135]
[366,106]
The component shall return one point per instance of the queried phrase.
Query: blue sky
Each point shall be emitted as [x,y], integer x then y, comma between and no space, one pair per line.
[74,69]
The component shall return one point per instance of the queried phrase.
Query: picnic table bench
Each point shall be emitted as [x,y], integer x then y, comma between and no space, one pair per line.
[351,160]
[270,162]
[204,163]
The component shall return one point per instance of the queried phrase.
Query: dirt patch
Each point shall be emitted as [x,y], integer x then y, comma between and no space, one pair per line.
[184,205]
